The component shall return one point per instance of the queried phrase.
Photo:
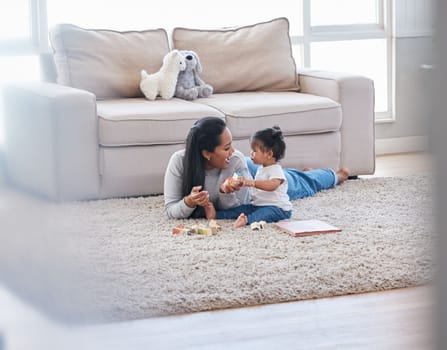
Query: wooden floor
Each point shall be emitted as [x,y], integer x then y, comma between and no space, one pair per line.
[403,164]
[397,319]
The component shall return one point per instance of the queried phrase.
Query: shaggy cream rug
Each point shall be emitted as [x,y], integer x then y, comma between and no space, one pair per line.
[117,259]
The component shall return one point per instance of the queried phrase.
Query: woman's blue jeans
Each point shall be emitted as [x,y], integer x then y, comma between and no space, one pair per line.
[303,183]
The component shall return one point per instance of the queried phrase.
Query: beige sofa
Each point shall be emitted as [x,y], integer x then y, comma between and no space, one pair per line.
[89,133]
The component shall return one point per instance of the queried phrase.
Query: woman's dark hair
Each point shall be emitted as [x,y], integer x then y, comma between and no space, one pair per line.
[203,135]
[270,139]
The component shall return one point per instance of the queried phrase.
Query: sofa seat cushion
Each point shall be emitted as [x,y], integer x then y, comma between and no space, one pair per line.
[137,121]
[296,113]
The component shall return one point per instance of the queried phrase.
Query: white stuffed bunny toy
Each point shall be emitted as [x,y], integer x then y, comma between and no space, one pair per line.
[163,82]
[189,85]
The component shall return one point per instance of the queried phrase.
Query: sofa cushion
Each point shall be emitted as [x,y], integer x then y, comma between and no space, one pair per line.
[106,62]
[296,113]
[137,121]
[250,58]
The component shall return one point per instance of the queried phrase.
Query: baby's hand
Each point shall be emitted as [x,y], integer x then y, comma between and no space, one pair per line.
[237,181]
[231,184]
[248,182]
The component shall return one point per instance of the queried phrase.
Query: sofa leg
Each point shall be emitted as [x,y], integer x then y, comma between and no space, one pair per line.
[353,177]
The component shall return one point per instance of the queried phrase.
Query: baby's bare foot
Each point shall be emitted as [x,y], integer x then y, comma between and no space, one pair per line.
[210,211]
[342,175]
[241,221]
[307,168]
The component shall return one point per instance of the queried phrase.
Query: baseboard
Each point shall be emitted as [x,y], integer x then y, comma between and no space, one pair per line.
[402,145]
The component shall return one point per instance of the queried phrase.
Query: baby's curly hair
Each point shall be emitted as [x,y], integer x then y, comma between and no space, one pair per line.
[270,139]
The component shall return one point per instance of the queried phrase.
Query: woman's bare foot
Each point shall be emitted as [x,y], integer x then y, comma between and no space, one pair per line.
[241,221]
[342,175]
[307,168]
[210,211]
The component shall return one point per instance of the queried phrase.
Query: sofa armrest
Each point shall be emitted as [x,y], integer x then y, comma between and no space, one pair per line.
[51,140]
[356,97]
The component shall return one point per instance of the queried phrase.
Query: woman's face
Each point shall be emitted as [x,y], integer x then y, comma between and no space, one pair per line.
[220,157]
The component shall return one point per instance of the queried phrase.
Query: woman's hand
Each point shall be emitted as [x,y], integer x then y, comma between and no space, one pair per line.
[197,197]
[232,184]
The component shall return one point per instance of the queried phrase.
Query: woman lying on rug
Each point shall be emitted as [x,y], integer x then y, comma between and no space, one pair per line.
[196,175]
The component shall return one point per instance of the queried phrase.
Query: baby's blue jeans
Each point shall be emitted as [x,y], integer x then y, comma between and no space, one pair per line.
[268,213]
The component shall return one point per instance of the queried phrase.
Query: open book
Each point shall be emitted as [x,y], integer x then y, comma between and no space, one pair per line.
[300,228]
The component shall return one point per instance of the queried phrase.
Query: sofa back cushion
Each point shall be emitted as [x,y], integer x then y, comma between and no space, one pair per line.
[249,58]
[106,62]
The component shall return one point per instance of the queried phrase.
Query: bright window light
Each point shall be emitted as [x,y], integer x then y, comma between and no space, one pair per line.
[16,68]
[364,57]
[143,14]
[343,12]
[14,20]
[19,68]
[297,52]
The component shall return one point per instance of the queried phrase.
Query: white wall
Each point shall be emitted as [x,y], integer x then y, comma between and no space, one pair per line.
[413,18]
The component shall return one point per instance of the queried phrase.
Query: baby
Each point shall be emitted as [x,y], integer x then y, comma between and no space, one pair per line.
[270,201]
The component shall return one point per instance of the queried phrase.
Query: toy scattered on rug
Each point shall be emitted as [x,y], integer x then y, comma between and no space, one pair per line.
[212,228]
[189,85]
[258,225]
[163,82]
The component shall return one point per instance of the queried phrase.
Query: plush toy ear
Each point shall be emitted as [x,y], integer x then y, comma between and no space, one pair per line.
[198,65]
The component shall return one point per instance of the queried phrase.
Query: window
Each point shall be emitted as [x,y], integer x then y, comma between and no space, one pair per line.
[141,14]
[23,33]
[13,24]
[351,36]
[23,27]
[343,12]
[366,57]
